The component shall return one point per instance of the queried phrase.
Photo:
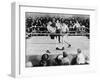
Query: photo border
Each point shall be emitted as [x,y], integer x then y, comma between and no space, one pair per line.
[16,54]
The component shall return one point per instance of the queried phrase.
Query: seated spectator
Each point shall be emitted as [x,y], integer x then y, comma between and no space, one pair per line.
[58,59]
[65,59]
[76,26]
[45,59]
[74,60]
[80,57]
[29,64]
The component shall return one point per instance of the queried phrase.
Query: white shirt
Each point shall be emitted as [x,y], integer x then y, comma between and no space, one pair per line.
[80,58]
[60,57]
[83,26]
[77,25]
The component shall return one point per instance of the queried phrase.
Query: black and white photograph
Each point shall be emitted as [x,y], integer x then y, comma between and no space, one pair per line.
[56,39]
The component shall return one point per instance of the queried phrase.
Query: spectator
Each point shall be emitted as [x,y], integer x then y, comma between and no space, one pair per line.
[45,59]
[80,57]
[65,59]
[40,25]
[29,64]
[58,59]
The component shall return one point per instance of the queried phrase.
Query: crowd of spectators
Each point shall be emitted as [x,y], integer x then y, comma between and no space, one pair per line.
[39,24]
[61,59]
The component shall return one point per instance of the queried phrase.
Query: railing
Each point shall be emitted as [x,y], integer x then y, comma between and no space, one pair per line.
[70,33]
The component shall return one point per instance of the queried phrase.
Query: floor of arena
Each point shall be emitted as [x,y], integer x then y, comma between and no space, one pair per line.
[37,45]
